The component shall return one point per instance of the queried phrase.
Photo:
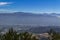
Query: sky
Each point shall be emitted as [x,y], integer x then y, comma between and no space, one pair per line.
[33,6]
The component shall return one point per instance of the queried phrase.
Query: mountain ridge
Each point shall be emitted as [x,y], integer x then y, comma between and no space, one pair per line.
[30,14]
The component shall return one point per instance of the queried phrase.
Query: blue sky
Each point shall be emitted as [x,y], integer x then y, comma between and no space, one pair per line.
[34,6]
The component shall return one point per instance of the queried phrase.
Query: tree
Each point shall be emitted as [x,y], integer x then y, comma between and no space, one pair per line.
[53,35]
[51,32]
[13,35]
[27,36]
[10,35]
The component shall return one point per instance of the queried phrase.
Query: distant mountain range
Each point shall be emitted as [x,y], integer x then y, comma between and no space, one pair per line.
[43,19]
[31,14]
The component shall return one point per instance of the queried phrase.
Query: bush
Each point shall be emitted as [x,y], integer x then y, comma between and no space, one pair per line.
[13,35]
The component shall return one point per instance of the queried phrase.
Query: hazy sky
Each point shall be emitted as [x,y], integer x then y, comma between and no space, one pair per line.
[34,6]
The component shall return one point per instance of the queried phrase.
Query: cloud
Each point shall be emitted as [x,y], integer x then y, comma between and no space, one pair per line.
[5,3]
[7,11]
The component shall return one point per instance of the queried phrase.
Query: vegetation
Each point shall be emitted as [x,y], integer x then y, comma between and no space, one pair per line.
[13,35]
[53,35]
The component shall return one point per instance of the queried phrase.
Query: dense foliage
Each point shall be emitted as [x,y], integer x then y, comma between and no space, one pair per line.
[53,35]
[13,35]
